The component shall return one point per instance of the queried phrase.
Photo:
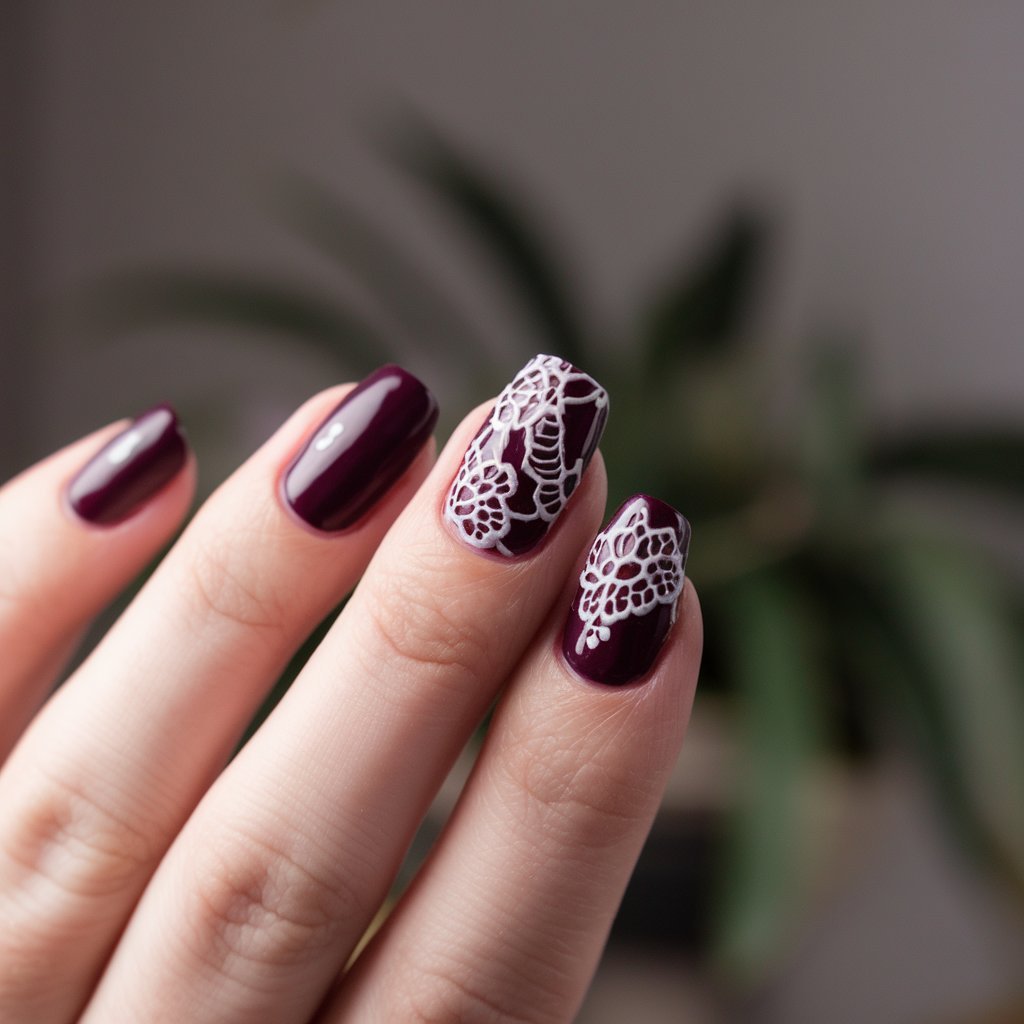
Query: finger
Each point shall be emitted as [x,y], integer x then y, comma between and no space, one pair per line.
[115,763]
[74,531]
[277,874]
[508,918]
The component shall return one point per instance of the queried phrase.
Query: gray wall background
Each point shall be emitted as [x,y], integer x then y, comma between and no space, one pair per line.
[889,139]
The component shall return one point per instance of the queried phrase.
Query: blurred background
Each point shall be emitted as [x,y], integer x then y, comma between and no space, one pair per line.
[786,237]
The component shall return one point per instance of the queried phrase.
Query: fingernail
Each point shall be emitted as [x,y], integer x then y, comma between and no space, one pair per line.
[361,449]
[528,458]
[130,469]
[629,592]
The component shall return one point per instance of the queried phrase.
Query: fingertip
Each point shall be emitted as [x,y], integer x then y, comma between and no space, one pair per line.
[580,517]
[131,471]
[359,450]
[691,621]
[519,472]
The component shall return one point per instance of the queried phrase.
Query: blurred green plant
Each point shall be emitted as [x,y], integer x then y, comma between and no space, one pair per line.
[833,614]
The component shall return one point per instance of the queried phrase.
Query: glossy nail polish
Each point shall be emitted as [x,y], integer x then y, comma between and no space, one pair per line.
[629,591]
[130,469]
[528,458]
[361,449]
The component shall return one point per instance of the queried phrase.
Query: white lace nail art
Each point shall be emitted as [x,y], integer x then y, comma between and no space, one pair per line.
[631,568]
[528,458]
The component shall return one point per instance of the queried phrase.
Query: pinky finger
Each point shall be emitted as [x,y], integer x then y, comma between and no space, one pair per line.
[74,530]
[508,918]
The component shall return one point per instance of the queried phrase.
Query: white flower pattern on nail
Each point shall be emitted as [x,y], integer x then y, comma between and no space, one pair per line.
[631,568]
[533,407]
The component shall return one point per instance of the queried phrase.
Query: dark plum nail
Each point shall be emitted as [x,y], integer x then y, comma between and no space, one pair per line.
[130,469]
[361,449]
[629,591]
[528,458]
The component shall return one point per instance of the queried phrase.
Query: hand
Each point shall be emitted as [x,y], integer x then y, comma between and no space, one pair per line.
[142,880]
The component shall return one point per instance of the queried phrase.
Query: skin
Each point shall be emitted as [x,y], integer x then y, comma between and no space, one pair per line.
[142,880]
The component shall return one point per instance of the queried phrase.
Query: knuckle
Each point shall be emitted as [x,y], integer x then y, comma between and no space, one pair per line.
[67,860]
[440,995]
[256,902]
[574,797]
[77,842]
[223,579]
[420,620]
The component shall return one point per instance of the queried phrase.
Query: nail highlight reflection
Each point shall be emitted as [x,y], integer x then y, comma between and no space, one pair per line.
[360,449]
[130,469]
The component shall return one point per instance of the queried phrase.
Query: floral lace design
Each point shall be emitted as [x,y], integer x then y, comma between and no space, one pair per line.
[631,568]
[478,502]
[522,450]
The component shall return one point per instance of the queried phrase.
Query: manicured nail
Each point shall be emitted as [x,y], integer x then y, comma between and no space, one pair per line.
[528,458]
[361,449]
[629,592]
[130,469]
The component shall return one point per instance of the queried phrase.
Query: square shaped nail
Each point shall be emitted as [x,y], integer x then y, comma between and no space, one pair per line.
[527,459]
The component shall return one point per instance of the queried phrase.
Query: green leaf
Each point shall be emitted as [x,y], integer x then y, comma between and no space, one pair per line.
[985,458]
[832,436]
[385,270]
[705,308]
[776,677]
[881,662]
[160,297]
[957,615]
[487,209]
